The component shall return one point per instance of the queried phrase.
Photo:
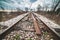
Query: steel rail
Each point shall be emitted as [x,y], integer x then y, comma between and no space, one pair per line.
[6,31]
[36,26]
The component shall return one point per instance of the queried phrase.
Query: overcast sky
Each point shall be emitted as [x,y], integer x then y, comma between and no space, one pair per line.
[13,4]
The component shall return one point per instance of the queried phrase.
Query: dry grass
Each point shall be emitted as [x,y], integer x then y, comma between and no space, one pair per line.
[6,16]
[51,16]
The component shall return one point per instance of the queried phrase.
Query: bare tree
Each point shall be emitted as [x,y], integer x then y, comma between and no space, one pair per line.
[18,9]
[56,5]
[26,9]
[39,7]
[2,8]
[46,7]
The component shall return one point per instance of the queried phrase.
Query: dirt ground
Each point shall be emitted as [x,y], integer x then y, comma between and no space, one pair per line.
[6,16]
[51,16]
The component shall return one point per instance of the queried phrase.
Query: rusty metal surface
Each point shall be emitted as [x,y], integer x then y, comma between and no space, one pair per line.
[37,29]
[48,24]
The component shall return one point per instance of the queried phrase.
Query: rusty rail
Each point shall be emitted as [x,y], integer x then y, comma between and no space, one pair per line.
[36,26]
[49,27]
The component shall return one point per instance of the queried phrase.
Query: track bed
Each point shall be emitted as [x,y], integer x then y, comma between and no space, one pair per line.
[24,30]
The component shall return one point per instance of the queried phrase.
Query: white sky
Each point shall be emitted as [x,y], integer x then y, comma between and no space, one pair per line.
[27,3]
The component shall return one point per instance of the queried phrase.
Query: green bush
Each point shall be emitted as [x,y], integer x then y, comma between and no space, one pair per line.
[17,37]
[30,39]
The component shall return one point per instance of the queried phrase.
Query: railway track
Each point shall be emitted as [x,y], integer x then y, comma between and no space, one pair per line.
[29,28]
[55,34]
[55,28]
